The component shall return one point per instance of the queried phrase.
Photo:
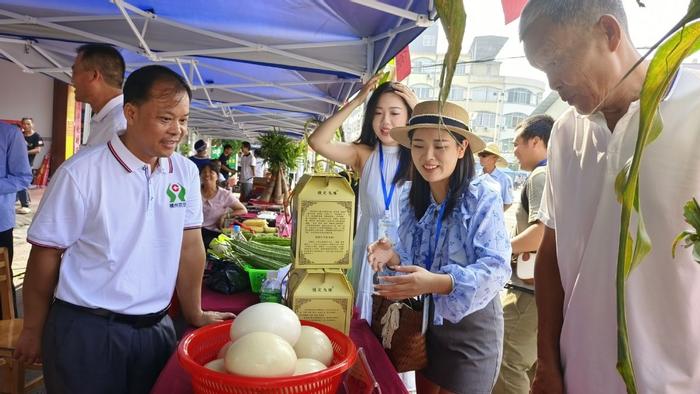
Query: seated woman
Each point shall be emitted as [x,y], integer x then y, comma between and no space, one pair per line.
[215,201]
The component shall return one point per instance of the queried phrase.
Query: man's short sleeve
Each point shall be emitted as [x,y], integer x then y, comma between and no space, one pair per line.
[193,216]
[546,212]
[507,191]
[60,219]
[535,189]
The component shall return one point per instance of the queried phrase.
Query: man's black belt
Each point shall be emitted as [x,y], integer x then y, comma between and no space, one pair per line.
[510,286]
[136,321]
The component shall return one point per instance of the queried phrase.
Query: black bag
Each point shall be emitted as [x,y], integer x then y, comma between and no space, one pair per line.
[225,277]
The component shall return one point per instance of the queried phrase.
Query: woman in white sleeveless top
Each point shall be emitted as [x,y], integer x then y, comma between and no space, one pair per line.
[390,106]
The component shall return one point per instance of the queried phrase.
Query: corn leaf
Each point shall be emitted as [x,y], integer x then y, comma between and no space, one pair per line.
[453,19]
[684,40]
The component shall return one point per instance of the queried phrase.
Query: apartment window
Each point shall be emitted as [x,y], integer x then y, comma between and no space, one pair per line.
[428,40]
[456,94]
[484,93]
[461,69]
[484,119]
[422,66]
[521,96]
[513,119]
[423,92]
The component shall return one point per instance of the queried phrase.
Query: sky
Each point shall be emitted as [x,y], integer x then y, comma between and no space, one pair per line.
[485,17]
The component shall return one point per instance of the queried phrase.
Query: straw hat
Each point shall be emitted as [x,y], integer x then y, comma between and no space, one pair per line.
[426,116]
[496,151]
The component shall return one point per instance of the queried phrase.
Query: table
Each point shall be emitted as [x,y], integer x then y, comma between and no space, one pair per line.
[174,380]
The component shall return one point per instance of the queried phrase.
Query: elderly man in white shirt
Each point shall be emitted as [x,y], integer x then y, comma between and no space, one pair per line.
[118,230]
[98,75]
[585,50]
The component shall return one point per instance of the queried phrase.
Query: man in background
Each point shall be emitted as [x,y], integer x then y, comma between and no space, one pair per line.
[519,308]
[98,75]
[34,145]
[247,170]
[224,159]
[490,158]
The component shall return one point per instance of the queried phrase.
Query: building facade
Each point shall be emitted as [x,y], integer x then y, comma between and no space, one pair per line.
[496,102]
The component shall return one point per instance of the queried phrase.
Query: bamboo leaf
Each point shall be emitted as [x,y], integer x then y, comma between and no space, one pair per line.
[453,19]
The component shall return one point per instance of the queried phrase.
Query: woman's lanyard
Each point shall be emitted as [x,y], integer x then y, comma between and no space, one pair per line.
[541,163]
[429,264]
[431,251]
[387,197]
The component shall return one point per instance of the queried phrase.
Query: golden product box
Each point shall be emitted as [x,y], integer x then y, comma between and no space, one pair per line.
[323,296]
[323,209]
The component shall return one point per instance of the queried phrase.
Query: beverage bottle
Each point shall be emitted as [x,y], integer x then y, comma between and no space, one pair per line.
[270,289]
[236,234]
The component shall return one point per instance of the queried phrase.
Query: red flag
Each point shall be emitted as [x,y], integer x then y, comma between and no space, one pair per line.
[512,9]
[403,64]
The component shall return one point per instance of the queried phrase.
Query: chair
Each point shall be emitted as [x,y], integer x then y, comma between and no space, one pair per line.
[11,371]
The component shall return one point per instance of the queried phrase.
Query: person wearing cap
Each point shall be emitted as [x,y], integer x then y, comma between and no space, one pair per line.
[491,159]
[453,248]
[117,232]
[200,158]
[519,308]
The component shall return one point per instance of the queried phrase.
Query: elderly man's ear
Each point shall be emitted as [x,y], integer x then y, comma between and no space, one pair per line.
[610,27]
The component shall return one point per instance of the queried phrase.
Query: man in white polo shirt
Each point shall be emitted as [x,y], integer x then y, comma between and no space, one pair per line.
[98,75]
[116,233]
[585,49]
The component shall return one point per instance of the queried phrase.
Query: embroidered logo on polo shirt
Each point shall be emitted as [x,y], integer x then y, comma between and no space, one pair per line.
[176,192]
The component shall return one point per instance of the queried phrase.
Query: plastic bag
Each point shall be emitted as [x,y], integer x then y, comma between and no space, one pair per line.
[225,277]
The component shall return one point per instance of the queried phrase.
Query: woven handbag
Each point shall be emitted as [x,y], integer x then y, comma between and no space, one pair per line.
[397,324]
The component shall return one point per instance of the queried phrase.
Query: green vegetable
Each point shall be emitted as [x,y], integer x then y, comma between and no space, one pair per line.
[272,240]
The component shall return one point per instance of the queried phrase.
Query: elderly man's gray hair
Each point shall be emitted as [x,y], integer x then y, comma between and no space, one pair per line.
[584,13]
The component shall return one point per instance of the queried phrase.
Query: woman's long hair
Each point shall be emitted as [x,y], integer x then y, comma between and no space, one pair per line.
[369,137]
[419,195]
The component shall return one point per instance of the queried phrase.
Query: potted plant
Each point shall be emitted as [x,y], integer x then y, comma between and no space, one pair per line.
[281,154]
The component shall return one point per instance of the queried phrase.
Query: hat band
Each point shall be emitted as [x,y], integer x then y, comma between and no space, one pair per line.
[436,120]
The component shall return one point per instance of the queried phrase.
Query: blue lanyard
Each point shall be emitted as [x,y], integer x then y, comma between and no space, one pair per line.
[431,251]
[387,198]
[542,163]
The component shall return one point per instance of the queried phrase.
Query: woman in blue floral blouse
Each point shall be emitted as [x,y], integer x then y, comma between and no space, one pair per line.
[454,248]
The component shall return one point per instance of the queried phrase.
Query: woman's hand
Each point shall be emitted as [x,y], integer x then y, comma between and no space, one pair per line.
[366,90]
[405,93]
[381,254]
[416,281]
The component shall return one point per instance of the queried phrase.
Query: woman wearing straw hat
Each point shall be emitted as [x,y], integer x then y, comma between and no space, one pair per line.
[490,159]
[453,247]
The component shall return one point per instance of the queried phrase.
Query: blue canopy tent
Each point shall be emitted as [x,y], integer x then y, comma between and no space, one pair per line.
[252,64]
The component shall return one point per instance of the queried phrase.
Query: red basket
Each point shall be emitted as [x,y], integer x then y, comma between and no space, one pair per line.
[201,346]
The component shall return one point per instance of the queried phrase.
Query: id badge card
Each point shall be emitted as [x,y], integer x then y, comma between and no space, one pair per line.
[426,314]
[387,228]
